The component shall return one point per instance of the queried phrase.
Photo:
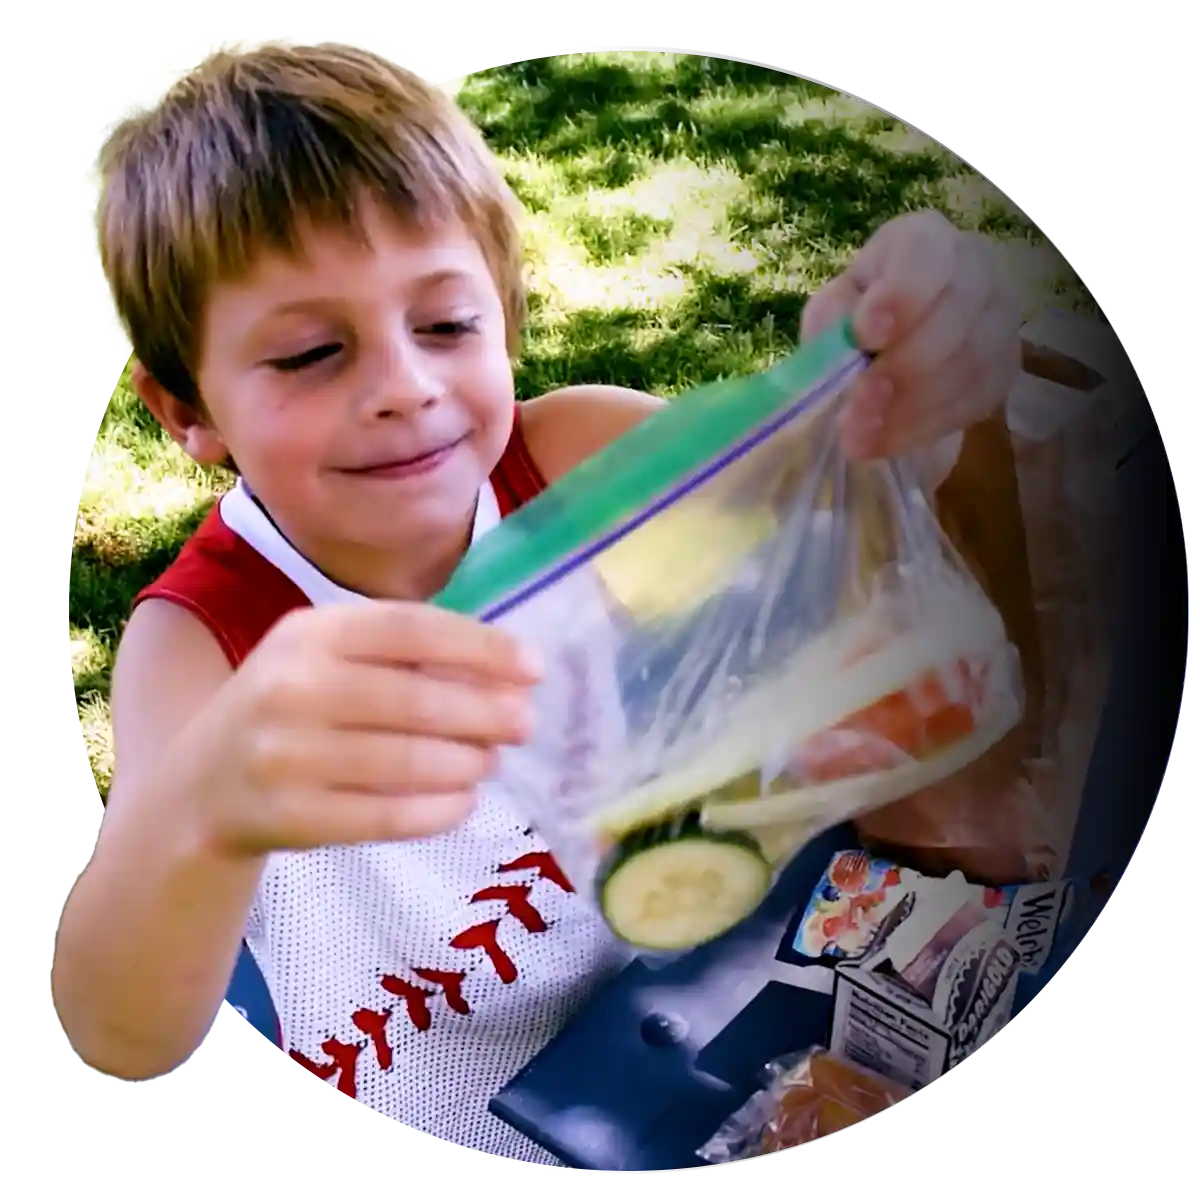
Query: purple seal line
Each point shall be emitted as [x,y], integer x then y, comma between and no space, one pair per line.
[819,391]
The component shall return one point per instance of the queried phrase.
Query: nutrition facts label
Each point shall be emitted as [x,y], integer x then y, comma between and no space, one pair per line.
[874,1033]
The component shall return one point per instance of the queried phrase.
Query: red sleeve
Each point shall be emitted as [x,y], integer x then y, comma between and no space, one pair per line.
[228,586]
[516,479]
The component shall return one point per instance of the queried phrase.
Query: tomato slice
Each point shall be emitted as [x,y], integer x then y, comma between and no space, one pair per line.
[908,724]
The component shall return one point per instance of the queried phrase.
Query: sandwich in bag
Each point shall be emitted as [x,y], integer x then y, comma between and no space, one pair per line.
[749,639]
[804,1097]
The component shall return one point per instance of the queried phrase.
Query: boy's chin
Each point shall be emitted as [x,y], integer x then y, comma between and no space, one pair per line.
[438,515]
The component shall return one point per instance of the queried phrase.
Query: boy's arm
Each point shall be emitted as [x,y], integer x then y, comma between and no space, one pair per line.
[150,933]
[566,427]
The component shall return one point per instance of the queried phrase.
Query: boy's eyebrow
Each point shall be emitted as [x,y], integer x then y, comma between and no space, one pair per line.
[316,303]
[444,275]
[430,279]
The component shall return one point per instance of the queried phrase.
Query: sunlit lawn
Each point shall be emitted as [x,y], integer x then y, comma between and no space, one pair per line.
[679,211]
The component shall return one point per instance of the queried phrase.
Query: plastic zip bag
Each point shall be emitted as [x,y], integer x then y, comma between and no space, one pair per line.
[805,1096]
[819,650]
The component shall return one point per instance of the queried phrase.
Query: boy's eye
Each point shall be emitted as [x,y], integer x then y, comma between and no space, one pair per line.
[450,329]
[297,362]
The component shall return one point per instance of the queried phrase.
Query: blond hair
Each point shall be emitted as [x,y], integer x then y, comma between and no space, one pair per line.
[248,145]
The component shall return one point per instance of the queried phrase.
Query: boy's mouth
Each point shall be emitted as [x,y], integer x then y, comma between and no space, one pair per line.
[405,468]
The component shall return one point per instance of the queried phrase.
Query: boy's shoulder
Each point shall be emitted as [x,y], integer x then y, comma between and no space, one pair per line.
[564,427]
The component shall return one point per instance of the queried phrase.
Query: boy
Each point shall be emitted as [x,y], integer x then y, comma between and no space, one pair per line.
[318,266]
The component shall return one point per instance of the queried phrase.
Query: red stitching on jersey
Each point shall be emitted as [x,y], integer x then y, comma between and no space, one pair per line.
[546,866]
[486,937]
[515,898]
[344,1065]
[449,985]
[416,999]
[374,1025]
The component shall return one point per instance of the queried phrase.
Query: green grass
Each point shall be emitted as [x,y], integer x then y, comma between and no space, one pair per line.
[679,210]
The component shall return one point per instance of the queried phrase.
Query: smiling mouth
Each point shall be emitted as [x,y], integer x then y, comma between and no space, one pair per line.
[403,468]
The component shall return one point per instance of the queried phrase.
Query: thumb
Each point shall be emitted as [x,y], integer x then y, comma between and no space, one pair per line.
[835,300]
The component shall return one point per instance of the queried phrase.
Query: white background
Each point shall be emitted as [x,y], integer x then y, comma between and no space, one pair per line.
[1084,121]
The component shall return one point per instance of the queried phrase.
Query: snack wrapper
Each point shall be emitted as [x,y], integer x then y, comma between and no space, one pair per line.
[806,1096]
[748,640]
[860,901]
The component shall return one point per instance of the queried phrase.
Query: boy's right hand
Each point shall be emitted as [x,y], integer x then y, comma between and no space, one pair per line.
[358,723]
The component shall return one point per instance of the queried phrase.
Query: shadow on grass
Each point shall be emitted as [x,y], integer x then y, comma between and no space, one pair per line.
[721,328]
[567,103]
[839,188]
[612,239]
[108,571]
[830,180]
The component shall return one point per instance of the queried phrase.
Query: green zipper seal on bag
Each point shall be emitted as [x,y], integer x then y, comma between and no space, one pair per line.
[659,461]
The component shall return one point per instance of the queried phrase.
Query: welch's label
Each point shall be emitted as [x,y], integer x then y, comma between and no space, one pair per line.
[1032,920]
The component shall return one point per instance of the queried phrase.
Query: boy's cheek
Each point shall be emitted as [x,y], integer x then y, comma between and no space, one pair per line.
[286,450]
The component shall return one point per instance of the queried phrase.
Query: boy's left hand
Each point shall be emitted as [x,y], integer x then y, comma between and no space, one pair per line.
[929,301]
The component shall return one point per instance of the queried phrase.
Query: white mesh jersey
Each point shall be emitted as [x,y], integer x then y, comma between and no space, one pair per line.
[420,977]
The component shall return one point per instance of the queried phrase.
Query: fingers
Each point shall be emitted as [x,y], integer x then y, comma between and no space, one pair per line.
[947,371]
[422,634]
[894,283]
[900,396]
[973,390]
[902,272]
[374,722]
[947,327]
[398,818]
[371,762]
[831,302]
[352,817]
[365,696]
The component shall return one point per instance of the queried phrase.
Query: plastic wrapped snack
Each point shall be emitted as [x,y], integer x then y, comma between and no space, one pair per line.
[807,1096]
[859,901]
[748,639]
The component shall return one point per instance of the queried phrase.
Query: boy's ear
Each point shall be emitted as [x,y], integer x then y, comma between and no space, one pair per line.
[185,422]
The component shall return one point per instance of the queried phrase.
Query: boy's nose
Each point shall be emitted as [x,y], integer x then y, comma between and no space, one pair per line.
[405,382]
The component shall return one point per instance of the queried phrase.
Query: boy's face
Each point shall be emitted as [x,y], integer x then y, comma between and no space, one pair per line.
[364,390]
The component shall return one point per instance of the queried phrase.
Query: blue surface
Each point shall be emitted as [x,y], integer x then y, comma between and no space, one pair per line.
[609,1094]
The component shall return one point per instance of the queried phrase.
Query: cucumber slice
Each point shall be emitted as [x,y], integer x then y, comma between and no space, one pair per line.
[680,885]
